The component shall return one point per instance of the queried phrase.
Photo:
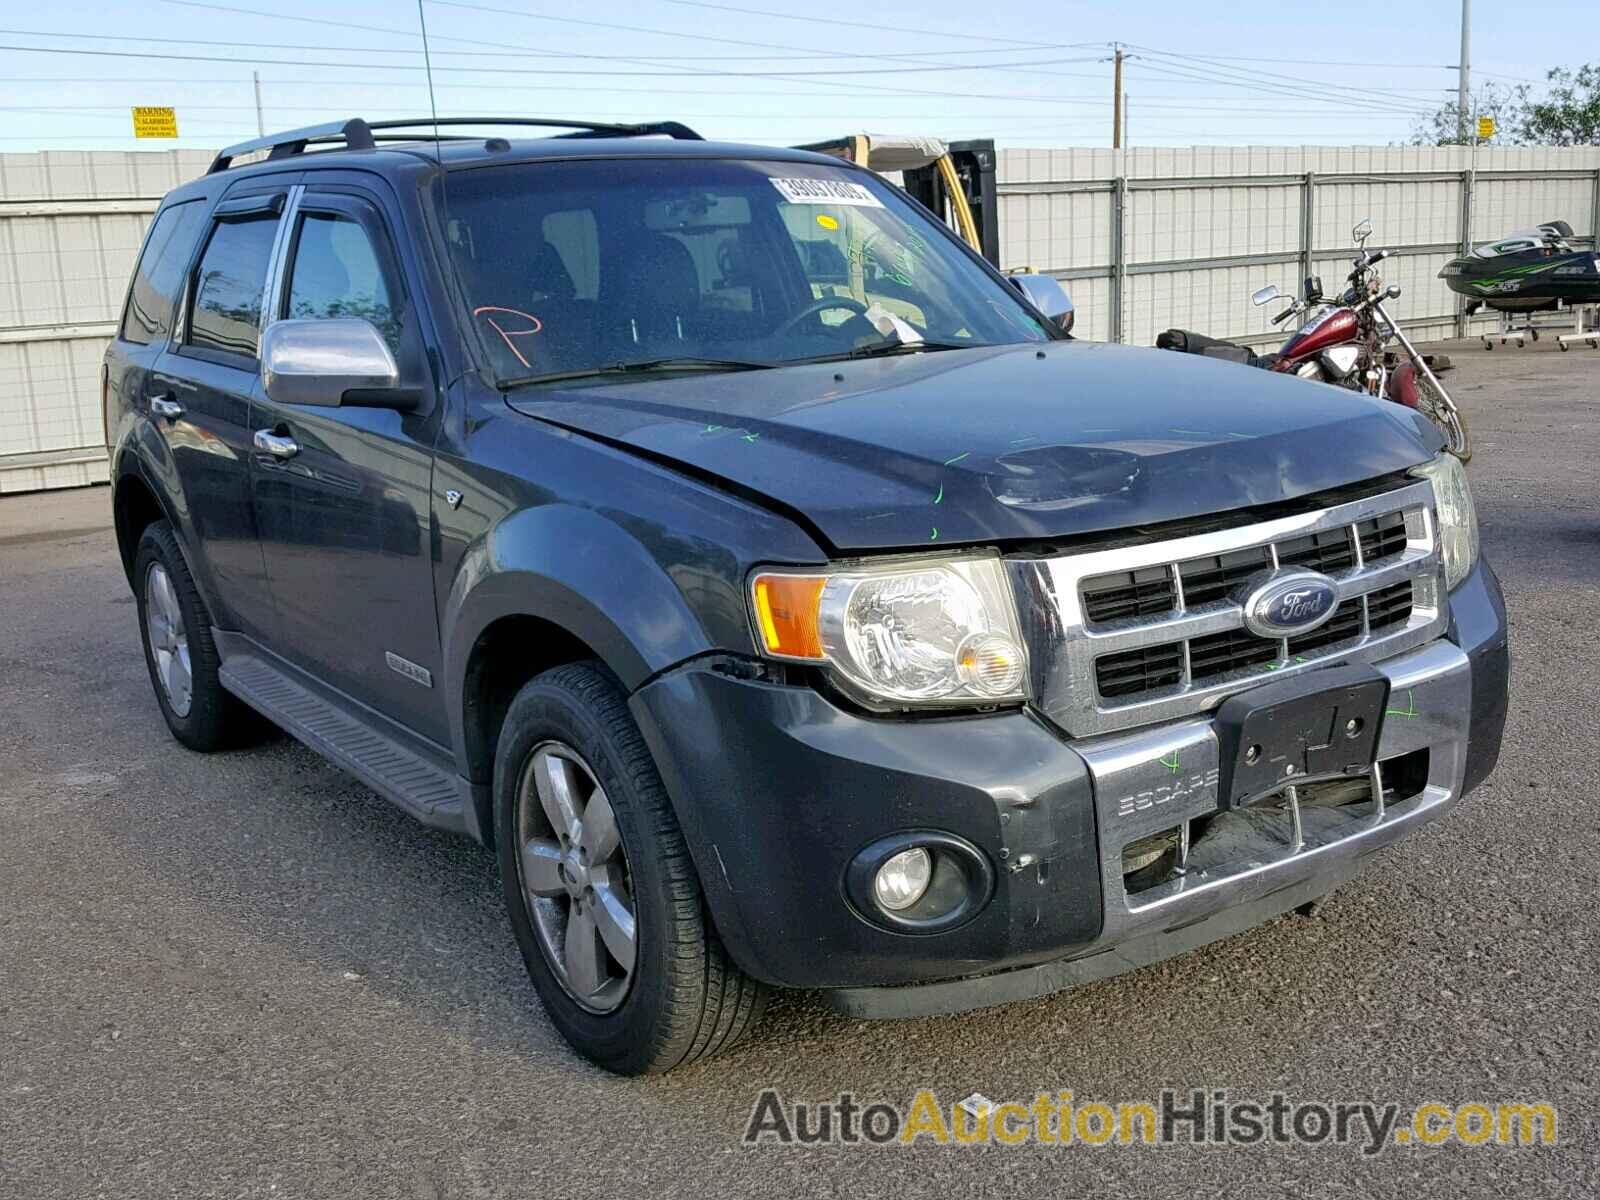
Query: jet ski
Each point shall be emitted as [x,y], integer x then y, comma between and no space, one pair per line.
[1526,271]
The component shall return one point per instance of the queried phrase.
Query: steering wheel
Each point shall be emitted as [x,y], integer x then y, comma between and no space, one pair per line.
[821,306]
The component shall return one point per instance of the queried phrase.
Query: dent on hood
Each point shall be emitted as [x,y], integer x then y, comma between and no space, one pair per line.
[1052,478]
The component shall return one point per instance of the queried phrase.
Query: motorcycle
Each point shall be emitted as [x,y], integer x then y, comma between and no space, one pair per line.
[1343,341]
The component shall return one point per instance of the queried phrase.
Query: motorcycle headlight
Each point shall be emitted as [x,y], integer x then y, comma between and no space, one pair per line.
[1458,519]
[928,632]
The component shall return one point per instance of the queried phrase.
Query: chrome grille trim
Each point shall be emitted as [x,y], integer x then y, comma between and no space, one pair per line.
[1064,644]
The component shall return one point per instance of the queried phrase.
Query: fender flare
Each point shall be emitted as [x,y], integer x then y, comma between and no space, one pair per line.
[572,567]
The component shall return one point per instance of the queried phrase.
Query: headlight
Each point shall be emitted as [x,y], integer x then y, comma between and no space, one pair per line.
[924,632]
[1458,519]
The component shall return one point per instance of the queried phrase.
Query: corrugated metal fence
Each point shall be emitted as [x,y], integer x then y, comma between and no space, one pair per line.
[70,226]
[1146,238]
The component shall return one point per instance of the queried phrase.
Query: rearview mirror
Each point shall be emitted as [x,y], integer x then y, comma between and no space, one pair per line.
[1046,294]
[1265,295]
[1362,231]
[319,361]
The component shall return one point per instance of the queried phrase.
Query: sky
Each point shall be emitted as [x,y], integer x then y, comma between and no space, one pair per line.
[1023,72]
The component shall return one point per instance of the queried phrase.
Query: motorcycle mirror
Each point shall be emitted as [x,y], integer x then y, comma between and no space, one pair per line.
[1362,231]
[1265,296]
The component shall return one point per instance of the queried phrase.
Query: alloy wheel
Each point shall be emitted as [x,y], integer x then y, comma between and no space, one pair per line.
[169,639]
[576,882]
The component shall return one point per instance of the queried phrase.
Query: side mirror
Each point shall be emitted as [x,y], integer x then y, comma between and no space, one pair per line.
[1362,231]
[319,361]
[1265,295]
[1046,294]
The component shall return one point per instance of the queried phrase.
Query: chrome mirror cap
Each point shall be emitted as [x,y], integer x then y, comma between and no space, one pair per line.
[1264,295]
[317,361]
[1046,294]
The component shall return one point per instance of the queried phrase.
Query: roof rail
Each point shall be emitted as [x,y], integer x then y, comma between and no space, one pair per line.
[357,134]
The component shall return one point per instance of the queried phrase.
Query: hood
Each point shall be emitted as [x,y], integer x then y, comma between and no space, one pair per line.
[1003,443]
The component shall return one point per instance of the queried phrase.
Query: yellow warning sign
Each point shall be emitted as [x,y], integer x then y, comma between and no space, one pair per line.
[1485,127]
[151,122]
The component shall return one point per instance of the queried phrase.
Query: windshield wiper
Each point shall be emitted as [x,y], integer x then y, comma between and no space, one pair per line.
[686,363]
[892,345]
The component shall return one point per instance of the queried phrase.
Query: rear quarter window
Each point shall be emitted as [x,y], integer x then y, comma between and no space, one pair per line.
[158,276]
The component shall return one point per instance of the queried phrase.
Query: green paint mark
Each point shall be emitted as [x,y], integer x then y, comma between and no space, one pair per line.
[712,428]
[950,462]
[750,437]
[1032,437]
[934,537]
[940,496]
[1410,708]
[1173,765]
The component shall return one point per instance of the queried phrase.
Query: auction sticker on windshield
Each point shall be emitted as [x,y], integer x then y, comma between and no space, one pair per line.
[826,191]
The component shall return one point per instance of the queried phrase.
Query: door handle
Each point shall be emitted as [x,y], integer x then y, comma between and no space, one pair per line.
[167,407]
[279,445]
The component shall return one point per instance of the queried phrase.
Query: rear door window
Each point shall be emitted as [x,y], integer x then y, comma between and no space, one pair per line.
[226,316]
[158,278]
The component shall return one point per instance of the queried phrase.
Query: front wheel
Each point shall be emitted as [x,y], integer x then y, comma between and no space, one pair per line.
[602,894]
[1439,409]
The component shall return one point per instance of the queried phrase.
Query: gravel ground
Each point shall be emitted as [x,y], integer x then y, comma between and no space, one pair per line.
[246,975]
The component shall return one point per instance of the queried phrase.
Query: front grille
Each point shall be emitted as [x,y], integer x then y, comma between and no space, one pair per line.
[1141,593]
[1138,633]
[1149,591]
[1219,655]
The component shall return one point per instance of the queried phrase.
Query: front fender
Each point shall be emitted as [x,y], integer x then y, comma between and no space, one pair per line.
[576,569]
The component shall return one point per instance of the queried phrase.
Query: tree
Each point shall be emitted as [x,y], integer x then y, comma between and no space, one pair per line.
[1506,105]
[1566,114]
[1569,114]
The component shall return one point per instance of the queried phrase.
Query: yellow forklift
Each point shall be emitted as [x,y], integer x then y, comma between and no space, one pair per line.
[953,180]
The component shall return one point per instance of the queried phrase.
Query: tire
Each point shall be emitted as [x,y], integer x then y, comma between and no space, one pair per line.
[683,999]
[205,717]
[1446,416]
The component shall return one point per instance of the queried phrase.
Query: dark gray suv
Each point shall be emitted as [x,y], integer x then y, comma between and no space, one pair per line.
[777,587]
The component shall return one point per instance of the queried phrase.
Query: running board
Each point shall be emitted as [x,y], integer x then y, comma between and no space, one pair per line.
[427,789]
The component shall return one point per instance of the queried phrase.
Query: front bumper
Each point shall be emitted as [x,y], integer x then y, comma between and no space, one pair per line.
[777,789]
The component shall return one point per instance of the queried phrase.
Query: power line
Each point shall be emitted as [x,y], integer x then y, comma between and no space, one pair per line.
[1380,104]
[1346,92]
[249,61]
[770,77]
[706,37]
[520,53]
[877,26]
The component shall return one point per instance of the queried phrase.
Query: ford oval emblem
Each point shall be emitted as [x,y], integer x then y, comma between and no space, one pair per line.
[1289,603]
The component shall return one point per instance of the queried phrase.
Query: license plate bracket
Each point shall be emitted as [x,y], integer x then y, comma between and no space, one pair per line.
[1303,723]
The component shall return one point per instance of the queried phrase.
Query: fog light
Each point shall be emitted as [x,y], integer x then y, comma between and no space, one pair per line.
[903,879]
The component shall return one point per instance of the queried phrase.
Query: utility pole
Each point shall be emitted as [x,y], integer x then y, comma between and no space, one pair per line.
[1464,70]
[261,125]
[1116,98]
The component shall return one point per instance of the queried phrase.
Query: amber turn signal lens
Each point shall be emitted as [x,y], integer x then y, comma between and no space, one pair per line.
[786,613]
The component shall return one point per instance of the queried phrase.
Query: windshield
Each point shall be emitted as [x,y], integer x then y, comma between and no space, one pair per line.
[573,266]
